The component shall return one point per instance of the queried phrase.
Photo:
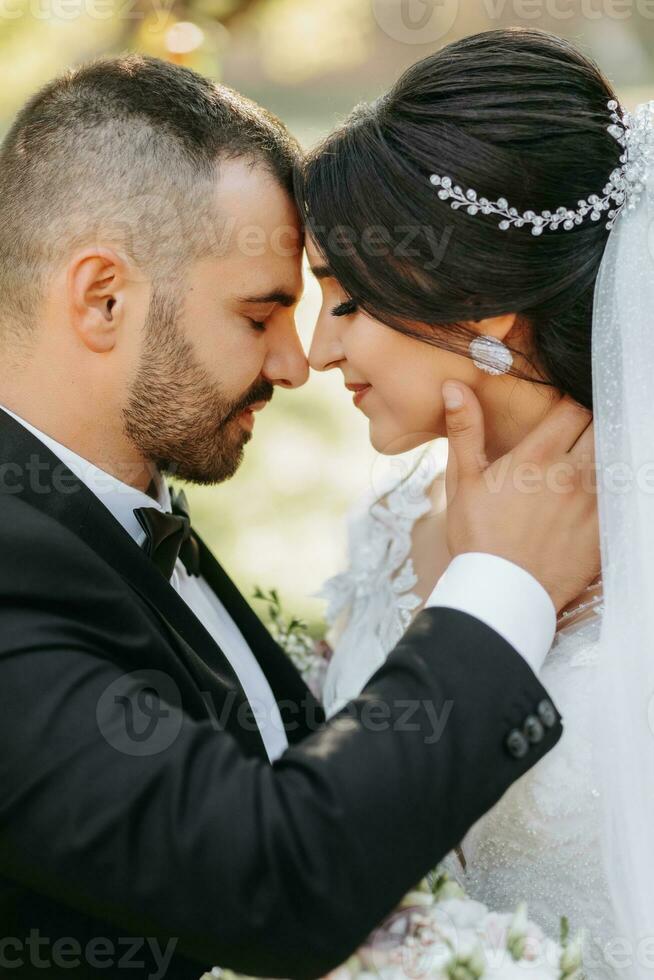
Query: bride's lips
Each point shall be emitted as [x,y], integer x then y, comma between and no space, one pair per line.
[360,391]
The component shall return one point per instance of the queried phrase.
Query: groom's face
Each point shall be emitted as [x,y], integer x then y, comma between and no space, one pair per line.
[214,350]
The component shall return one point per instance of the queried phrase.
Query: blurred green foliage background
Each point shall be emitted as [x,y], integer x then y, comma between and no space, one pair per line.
[280,521]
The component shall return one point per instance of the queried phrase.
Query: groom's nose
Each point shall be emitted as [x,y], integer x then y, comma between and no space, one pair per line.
[286,363]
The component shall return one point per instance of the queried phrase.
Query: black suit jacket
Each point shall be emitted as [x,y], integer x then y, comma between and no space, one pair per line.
[138,810]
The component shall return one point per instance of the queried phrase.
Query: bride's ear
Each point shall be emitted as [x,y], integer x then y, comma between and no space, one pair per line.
[498,327]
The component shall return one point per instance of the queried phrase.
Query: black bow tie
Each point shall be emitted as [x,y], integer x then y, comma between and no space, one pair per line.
[169,536]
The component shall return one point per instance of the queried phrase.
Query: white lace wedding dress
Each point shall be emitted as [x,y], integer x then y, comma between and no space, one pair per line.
[540,843]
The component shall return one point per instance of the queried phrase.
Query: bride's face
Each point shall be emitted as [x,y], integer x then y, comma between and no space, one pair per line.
[399,378]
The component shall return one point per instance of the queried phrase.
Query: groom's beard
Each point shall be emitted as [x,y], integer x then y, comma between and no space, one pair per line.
[176,416]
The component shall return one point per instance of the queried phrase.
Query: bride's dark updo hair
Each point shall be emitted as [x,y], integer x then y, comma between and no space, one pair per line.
[515,113]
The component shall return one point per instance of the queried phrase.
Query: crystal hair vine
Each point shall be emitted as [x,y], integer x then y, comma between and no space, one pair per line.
[634,134]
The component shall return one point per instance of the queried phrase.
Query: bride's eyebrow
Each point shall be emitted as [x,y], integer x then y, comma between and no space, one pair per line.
[322,272]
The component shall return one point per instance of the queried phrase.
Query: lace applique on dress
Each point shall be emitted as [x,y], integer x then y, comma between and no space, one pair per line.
[371,604]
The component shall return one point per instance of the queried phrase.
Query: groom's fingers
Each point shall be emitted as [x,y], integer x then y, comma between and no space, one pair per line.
[465,430]
[557,433]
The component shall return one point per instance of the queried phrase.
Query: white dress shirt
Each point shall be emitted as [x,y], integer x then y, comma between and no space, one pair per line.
[121,499]
[503,596]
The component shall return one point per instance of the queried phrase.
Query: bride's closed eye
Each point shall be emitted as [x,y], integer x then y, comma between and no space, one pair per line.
[347,308]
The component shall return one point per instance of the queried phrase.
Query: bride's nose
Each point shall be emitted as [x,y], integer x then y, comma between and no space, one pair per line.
[326,348]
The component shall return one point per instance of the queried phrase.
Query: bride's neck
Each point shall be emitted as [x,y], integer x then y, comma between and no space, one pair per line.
[512,409]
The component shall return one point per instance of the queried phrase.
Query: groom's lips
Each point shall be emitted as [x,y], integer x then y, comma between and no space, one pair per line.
[246,417]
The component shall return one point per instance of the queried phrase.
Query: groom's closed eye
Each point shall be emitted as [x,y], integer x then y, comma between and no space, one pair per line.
[257,316]
[257,310]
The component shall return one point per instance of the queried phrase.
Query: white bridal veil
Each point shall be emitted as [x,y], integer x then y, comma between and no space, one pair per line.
[623,392]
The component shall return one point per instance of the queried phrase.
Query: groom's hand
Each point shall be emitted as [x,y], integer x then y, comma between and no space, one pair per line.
[536,506]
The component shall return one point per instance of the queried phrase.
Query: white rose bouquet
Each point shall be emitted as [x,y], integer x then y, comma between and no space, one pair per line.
[439,933]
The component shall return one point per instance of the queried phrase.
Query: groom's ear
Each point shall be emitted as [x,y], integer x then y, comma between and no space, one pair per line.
[96,285]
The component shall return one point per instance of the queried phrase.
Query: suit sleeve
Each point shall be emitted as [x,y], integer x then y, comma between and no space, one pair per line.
[118,803]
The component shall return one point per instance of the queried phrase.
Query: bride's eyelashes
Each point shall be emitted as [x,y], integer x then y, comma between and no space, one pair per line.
[347,308]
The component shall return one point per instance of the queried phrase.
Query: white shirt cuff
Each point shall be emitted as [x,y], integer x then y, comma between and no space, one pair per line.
[503,596]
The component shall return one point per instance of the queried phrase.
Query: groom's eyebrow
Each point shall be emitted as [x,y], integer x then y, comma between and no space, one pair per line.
[280,296]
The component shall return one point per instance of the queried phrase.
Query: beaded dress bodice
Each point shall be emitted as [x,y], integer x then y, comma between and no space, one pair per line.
[540,843]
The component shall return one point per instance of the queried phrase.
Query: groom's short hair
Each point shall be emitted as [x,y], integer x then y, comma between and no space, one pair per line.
[123,151]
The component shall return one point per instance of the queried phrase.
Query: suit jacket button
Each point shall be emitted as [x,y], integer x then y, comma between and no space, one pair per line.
[517,744]
[547,713]
[533,729]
